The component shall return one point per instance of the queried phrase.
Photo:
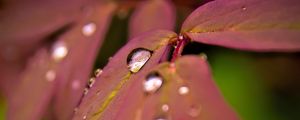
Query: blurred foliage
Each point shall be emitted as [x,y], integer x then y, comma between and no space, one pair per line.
[3,107]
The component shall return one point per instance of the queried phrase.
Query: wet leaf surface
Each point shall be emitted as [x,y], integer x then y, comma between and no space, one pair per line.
[253,25]
[108,88]
[151,15]
[187,93]
[71,58]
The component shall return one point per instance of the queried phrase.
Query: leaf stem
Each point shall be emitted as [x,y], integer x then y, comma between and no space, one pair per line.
[181,42]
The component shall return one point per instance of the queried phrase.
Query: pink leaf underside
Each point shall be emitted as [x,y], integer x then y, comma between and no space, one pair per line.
[108,88]
[24,26]
[35,92]
[253,25]
[151,15]
[203,101]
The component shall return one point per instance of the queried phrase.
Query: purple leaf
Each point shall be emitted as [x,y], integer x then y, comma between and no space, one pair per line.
[151,15]
[68,67]
[74,72]
[109,87]
[253,25]
[187,92]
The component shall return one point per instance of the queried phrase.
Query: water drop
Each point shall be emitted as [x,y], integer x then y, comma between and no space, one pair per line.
[194,111]
[59,51]
[84,117]
[244,8]
[203,56]
[183,90]
[85,91]
[88,29]
[50,75]
[91,82]
[152,83]
[165,107]
[137,59]
[98,72]
[75,109]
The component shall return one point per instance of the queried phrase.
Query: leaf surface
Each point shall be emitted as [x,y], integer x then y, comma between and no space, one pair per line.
[151,15]
[108,88]
[202,101]
[252,25]
[69,75]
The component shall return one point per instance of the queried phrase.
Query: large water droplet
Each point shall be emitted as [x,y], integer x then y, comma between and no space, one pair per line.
[137,59]
[152,83]
[59,51]
[50,75]
[183,90]
[160,118]
[88,29]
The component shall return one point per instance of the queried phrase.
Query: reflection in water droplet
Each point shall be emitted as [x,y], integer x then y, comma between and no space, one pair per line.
[50,75]
[59,51]
[85,91]
[194,111]
[137,59]
[88,29]
[165,107]
[98,72]
[183,90]
[91,82]
[152,83]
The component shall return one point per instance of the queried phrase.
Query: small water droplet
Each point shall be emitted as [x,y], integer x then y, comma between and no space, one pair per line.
[180,37]
[91,82]
[50,75]
[98,72]
[85,91]
[194,111]
[89,29]
[244,8]
[75,84]
[84,117]
[152,83]
[165,107]
[183,90]
[75,109]
[203,56]
[59,51]
[137,59]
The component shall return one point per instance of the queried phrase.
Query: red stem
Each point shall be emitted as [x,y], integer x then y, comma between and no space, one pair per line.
[181,42]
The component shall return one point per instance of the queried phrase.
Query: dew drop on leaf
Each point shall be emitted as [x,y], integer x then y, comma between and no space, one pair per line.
[59,51]
[160,118]
[165,107]
[50,75]
[98,72]
[91,82]
[84,117]
[183,90]
[88,29]
[137,59]
[152,83]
